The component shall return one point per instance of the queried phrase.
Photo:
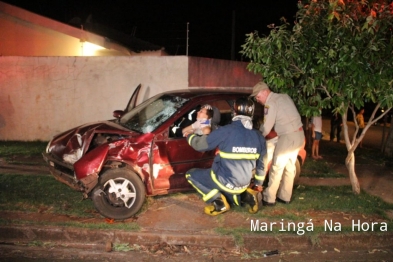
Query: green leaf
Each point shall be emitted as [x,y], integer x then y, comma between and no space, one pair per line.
[333,43]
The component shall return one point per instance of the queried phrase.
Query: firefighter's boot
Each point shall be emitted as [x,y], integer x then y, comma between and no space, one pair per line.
[218,206]
[250,197]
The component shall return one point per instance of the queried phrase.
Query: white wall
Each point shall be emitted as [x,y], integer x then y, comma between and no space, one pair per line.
[42,96]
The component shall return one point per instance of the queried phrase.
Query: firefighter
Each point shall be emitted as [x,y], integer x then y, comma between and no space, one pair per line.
[241,149]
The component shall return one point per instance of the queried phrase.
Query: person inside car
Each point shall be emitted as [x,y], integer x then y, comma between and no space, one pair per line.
[202,126]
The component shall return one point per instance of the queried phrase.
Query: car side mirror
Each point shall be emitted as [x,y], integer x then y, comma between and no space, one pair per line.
[118,114]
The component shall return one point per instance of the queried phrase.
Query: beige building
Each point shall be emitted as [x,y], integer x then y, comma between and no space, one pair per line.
[23,33]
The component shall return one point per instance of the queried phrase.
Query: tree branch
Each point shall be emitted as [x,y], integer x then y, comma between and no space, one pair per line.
[326,91]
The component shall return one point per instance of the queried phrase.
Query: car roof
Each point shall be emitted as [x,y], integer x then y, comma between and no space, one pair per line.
[192,93]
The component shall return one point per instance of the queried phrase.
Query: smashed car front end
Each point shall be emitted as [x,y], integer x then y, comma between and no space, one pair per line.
[76,157]
[63,172]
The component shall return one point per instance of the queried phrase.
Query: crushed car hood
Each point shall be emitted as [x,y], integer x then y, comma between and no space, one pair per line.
[72,144]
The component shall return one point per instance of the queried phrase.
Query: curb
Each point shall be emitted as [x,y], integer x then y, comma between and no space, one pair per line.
[88,239]
[12,234]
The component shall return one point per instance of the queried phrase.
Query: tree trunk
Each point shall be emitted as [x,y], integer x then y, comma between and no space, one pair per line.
[350,164]
[388,145]
[350,159]
[383,139]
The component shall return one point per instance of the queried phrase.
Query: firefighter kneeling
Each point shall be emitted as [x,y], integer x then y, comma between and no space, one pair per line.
[241,149]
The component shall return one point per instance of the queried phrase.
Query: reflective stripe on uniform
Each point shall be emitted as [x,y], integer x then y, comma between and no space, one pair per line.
[210,195]
[224,188]
[205,197]
[190,138]
[194,186]
[235,199]
[260,178]
[237,156]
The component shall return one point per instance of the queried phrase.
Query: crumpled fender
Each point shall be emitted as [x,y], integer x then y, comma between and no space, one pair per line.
[92,162]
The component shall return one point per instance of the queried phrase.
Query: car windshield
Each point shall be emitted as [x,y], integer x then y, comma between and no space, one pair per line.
[149,115]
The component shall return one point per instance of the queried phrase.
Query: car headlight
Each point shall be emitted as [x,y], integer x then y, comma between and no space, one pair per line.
[49,147]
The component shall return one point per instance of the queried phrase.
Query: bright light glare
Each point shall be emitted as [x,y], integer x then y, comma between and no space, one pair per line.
[89,49]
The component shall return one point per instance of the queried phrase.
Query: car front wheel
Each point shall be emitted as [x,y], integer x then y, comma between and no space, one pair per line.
[119,194]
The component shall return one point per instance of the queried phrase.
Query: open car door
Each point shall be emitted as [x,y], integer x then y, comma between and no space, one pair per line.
[132,102]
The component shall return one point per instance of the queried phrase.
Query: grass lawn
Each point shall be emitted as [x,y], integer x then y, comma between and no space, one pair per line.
[44,194]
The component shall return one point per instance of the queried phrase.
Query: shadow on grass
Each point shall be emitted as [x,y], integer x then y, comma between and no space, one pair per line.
[333,162]
[321,168]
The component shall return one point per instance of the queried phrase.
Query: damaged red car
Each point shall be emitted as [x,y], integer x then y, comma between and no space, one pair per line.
[142,152]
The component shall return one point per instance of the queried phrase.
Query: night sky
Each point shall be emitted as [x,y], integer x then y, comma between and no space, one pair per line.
[164,23]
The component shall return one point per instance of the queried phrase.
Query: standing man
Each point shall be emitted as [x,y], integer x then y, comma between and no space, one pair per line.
[241,149]
[316,136]
[360,120]
[335,127]
[280,112]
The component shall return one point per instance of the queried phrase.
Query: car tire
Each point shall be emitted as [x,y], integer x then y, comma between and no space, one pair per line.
[298,170]
[119,194]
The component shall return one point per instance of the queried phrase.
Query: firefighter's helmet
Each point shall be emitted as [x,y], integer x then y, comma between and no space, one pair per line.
[244,106]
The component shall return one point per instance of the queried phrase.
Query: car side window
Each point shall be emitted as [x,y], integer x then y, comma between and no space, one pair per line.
[175,130]
[224,108]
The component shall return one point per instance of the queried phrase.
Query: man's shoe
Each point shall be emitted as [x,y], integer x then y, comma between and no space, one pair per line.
[250,197]
[282,201]
[218,206]
[265,203]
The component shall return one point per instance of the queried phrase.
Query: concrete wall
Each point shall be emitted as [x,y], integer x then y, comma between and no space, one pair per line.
[218,73]
[42,96]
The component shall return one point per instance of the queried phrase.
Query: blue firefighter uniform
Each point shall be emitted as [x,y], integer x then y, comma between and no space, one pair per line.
[240,151]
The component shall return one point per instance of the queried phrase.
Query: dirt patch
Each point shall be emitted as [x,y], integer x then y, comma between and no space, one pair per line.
[47,217]
[185,215]
[34,165]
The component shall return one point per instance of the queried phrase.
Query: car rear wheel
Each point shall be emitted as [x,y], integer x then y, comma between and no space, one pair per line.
[119,194]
